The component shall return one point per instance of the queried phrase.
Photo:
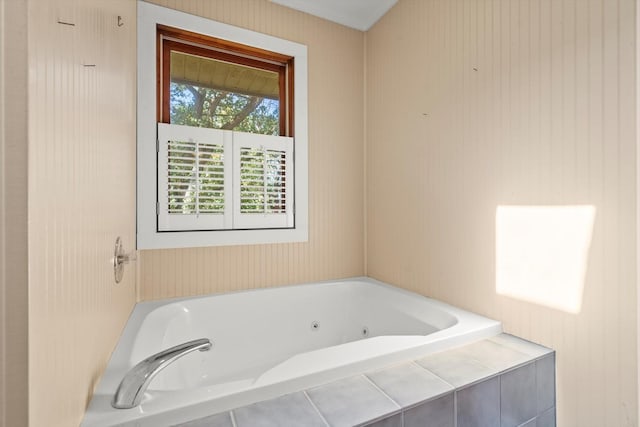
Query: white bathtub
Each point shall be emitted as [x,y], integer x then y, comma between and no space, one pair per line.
[275,341]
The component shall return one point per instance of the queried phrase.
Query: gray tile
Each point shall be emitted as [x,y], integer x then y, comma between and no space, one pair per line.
[546,380]
[351,401]
[548,419]
[435,413]
[518,396]
[408,384]
[218,420]
[289,410]
[523,346]
[393,421]
[530,423]
[479,404]
[495,356]
[455,367]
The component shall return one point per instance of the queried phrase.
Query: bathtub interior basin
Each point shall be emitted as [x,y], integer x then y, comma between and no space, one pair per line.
[273,341]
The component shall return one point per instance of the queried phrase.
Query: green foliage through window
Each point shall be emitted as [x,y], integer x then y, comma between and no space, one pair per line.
[191,105]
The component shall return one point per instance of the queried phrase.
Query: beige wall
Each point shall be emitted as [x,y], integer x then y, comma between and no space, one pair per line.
[474,104]
[336,162]
[13,214]
[547,118]
[81,196]
[82,187]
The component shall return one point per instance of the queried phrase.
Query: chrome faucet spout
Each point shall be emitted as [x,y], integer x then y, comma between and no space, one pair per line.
[136,381]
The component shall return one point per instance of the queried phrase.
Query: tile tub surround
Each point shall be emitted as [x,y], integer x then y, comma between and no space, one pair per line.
[502,381]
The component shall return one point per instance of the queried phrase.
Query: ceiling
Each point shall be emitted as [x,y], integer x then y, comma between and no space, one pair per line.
[220,75]
[358,14]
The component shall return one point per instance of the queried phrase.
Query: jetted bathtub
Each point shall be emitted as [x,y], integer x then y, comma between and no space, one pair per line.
[274,341]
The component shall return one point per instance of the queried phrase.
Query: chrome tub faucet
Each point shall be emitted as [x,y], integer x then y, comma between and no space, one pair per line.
[136,381]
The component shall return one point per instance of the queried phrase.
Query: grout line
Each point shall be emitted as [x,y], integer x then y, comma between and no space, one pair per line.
[316,408]
[433,373]
[233,419]
[535,381]
[500,397]
[455,408]
[527,422]
[383,392]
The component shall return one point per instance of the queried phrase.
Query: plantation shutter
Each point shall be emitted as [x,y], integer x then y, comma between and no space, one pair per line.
[194,178]
[263,181]
[211,179]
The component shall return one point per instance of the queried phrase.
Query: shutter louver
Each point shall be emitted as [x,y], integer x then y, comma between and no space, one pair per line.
[195,177]
[194,187]
[263,167]
[262,181]
[211,177]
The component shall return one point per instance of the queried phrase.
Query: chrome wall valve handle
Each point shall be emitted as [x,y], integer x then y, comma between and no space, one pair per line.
[120,258]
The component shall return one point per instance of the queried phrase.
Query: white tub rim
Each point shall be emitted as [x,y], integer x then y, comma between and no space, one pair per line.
[119,363]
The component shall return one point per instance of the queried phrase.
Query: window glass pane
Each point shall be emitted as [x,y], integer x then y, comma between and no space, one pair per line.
[209,93]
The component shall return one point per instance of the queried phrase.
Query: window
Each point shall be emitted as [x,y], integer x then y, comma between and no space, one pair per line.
[219,158]
[212,175]
[208,82]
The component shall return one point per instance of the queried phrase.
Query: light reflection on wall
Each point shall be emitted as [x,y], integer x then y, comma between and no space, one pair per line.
[542,253]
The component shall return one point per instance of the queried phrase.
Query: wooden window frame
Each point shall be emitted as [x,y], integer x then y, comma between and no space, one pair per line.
[173,39]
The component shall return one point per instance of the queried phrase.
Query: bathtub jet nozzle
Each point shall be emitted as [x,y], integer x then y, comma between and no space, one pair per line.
[135,382]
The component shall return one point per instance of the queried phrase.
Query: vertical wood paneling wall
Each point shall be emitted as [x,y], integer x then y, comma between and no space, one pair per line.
[473,104]
[336,163]
[81,197]
[469,104]
[13,214]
